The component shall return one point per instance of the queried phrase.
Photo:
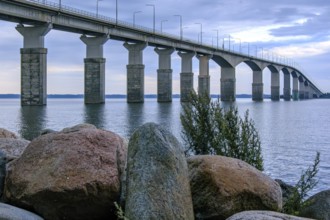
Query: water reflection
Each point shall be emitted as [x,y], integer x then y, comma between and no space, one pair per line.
[95,114]
[165,115]
[32,121]
[135,117]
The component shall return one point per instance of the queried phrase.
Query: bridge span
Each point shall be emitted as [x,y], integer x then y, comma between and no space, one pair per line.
[36,18]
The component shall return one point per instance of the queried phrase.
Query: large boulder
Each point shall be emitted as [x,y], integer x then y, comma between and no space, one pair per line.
[2,172]
[263,215]
[73,174]
[157,176]
[222,186]
[13,148]
[318,206]
[8,212]
[7,134]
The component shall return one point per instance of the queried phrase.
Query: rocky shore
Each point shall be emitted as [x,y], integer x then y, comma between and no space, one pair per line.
[80,173]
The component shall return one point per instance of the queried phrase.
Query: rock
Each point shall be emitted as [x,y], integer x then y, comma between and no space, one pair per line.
[47,131]
[7,134]
[73,175]
[287,190]
[157,176]
[8,212]
[222,186]
[13,148]
[263,215]
[318,206]
[78,128]
[2,172]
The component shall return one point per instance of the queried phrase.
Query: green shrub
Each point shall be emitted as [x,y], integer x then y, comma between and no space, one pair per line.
[305,184]
[209,129]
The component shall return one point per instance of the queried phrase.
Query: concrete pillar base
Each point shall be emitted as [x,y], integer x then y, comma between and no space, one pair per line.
[301,95]
[203,85]
[257,91]
[94,80]
[286,94]
[186,86]
[306,95]
[228,90]
[135,83]
[295,94]
[275,93]
[164,85]
[33,76]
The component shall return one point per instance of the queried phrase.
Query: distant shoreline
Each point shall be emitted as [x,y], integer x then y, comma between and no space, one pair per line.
[112,96]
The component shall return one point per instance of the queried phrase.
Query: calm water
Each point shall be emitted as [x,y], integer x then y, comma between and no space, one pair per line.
[291,132]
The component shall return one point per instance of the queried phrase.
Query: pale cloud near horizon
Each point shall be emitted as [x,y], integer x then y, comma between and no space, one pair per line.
[298,29]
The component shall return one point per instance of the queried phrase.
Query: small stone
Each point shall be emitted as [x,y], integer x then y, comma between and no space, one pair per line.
[8,212]
[264,215]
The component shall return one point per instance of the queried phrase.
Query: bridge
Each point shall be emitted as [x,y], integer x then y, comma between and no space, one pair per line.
[35,18]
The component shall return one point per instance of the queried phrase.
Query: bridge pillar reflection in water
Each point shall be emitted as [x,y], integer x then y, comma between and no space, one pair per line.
[164,75]
[275,86]
[295,90]
[135,72]
[204,75]
[33,64]
[186,76]
[94,69]
[228,84]
[286,88]
[257,86]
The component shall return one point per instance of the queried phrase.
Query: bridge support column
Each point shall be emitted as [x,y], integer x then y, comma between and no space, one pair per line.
[94,69]
[204,76]
[287,89]
[186,76]
[228,84]
[164,75]
[257,86]
[275,86]
[34,65]
[306,91]
[295,90]
[301,90]
[135,72]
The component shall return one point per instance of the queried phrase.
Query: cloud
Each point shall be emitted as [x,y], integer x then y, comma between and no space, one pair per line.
[304,50]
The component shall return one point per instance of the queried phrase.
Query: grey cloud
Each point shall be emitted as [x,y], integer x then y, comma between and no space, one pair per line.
[316,25]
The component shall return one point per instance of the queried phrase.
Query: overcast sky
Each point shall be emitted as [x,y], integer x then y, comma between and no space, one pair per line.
[298,29]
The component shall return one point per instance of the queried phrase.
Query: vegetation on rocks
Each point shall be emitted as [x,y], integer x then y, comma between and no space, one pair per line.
[297,200]
[209,129]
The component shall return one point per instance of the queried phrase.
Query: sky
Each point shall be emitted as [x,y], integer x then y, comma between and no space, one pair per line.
[296,29]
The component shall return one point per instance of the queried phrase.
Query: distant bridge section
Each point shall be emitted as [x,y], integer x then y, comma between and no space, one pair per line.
[36,18]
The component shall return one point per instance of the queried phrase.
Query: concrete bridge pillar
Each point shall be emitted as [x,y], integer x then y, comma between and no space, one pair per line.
[94,69]
[164,75]
[295,90]
[257,86]
[204,75]
[275,86]
[301,90]
[311,92]
[186,76]
[306,91]
[135,72]
[34,64]
[286,89]
[228,84]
